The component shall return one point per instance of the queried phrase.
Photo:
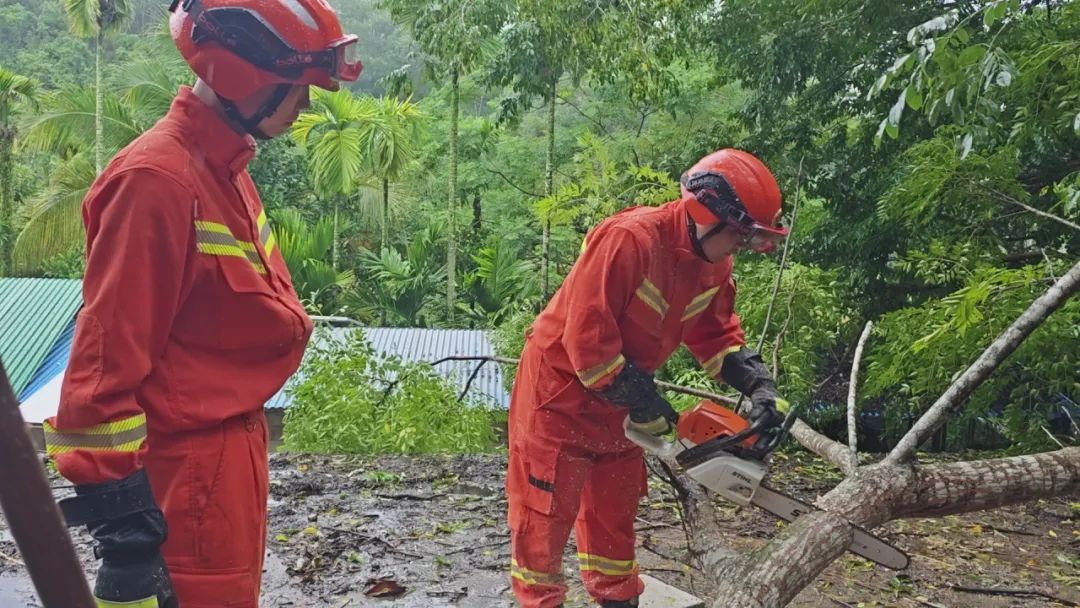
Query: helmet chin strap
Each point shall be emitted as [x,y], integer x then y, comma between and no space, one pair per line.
[250,124]
[696,242]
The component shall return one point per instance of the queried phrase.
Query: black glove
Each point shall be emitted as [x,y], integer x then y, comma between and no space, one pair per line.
[129,529]
[745,372]
[636,390]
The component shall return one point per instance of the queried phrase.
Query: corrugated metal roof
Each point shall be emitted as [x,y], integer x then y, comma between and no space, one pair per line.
[427,345]
[55,362]
[408,343]
[33,313]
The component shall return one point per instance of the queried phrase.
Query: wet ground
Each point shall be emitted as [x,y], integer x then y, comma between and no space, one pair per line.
[411,532]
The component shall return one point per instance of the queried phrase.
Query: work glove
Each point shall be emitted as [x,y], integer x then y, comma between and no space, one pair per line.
[745,372]
[129,528]
[636,390]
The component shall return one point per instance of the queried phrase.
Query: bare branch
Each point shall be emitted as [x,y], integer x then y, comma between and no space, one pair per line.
[834,452]
[987,362]
[783,260]
[595,121]
[1050,216]
[511,183]
[695,392]
[853,437]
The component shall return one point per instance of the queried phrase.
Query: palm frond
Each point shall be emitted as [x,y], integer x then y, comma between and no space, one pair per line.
[54,223]
[149,86]
[68,123]
[16,87]
[83,16]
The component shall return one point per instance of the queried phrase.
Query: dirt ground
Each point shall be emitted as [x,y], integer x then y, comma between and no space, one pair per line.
[430,531]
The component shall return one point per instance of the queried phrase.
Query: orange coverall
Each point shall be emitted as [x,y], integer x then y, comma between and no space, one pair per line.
[636,293]
[190,325]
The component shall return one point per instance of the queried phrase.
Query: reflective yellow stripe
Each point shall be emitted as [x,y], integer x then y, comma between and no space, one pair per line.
[150,602]
[699,303]
[532,577]
[651,295]
[593,375]
[125,435]
[713,365]
[604,565]
[213,238]
[266,235]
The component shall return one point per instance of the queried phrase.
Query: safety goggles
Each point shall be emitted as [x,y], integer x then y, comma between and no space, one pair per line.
[246,34]
[714,192]
[757,238]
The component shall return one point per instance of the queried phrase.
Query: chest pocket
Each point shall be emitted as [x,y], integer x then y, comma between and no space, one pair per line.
[647,309]
[247,314]
[699,304]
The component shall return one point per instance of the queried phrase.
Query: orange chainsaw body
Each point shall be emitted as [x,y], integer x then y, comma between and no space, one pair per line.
[708,420]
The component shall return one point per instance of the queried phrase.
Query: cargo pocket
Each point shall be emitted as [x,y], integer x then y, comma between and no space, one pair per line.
[540,467]
[215,588]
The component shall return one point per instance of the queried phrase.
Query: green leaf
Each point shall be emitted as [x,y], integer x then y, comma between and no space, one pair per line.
[1004,78]
[897,110]
[1076,123]
[972,54]
[914,98]
[965,146]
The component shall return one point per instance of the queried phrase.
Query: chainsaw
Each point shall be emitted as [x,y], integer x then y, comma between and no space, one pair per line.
[723,452]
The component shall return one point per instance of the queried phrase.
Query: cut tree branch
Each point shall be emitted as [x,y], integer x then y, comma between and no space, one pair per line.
[834,452]
[961,487]
[853,436]
[988,361]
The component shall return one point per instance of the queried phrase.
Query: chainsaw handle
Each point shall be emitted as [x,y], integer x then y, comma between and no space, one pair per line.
[652,444]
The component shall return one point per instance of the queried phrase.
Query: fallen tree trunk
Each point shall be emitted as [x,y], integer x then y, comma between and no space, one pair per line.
[895,488]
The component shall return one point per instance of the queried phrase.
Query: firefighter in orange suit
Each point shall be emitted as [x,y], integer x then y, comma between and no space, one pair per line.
[190,321]
[648,280]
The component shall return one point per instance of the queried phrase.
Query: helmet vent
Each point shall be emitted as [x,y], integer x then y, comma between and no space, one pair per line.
[301,13]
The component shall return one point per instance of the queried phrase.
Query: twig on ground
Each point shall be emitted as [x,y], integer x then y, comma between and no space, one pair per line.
[1013,593]
[369,538]
[411,496]
[11,559]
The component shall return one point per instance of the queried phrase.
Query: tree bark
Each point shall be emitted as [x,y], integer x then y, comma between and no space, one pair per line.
[385,213]
[99,127]
[451,241]
[7,212]
[853,435]
[549,189]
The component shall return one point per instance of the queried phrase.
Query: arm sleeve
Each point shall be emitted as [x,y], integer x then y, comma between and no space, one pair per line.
[718,332]
[599,288]
[140,236]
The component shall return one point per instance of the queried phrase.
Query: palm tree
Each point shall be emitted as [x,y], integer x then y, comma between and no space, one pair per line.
[458,35]
[71,119]
[304,248]
[390,149]
[14,90]
[335,131]
[96,19]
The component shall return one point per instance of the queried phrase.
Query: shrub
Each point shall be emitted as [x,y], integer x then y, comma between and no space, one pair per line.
[352,400]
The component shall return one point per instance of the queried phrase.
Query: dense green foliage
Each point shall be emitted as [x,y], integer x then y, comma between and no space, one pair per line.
[354,402]
[934,148]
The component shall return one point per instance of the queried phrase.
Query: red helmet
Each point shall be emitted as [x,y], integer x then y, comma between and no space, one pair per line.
[733,187]
[241,46]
